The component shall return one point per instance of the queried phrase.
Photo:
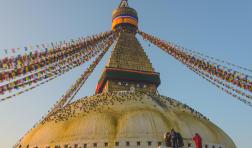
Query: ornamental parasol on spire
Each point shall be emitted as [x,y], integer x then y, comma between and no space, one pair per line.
[124,3]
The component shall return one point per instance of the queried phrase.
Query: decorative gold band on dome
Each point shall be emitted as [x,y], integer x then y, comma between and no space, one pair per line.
[124,11]
[126,19]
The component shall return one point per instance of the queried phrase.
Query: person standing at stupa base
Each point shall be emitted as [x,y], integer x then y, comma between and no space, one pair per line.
[198,140]
[173,139]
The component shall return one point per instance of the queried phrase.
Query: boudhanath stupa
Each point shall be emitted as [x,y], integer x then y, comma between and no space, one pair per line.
[126,110]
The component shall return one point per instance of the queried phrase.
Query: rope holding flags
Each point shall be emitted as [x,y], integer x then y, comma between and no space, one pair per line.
[44,47]
[53,72]
[209,58]
[224,87]
[14,67]
[233,82]
[69,62]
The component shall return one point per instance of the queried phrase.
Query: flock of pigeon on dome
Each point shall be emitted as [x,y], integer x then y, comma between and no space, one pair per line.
[97,102]
[21,73]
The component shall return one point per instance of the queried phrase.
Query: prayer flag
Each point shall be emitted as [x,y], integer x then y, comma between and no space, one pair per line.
[13,50]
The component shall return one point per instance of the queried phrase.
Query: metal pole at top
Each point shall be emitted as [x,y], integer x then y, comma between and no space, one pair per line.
[124,3]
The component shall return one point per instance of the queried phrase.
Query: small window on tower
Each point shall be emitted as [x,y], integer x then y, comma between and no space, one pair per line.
[117,144]
[85,145]
[106,144]
[127,143]
[149,143]
[95,144]
[138,143]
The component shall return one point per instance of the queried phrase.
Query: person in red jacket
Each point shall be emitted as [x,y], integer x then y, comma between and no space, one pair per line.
[198,140]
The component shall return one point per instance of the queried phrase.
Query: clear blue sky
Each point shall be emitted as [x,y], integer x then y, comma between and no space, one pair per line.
[219,28]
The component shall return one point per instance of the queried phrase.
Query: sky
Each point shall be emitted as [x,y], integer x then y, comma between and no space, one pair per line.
[221,29]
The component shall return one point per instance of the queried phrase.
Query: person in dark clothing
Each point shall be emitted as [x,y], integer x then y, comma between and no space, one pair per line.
[173,139]
[180,140]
